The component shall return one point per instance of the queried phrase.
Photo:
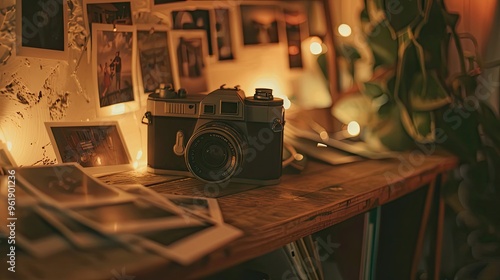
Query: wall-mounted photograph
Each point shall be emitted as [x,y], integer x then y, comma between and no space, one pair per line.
[296,29]
[159,3]
[42,32]
[114,60]
[107,12]
[259,24]
[190,47]
[194,20]
[223,34]
[154,56]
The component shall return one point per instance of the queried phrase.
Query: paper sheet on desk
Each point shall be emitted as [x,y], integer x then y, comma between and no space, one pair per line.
[336,151]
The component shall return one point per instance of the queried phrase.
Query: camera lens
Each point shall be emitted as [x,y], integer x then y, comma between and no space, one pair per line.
[213,153]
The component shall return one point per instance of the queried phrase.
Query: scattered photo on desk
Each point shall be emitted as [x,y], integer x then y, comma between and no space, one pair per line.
[33,233]
[206,207]
[67,185]
[188,244]
[134,216]
[143,191]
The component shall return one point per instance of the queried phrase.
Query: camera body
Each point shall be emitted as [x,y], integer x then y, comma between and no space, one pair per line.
[222,136]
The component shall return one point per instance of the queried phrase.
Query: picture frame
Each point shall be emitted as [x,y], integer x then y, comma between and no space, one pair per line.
[114,61]
[259,24]
[296,31]
[86,142]
[191,52]
[155,57]
[6,159]
[43,30]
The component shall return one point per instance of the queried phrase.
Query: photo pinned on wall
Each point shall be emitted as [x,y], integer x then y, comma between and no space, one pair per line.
[190,47]
[159,3]
[155,57]
[113,61]
[99,147]
[259,24]
[223,34]
[43,29]
[107,12]
[194,20]
[296,29]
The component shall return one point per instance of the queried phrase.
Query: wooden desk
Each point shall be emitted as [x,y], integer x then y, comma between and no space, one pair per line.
[272,216]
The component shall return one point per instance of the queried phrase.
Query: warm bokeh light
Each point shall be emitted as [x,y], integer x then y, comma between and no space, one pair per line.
[321,145]
[324,135]
[139,155]
[344,30]
[136,164]
[316,48]
[353,128]
[286,102]
[99,162]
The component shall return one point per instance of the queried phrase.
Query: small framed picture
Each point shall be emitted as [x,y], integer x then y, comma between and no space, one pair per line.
[67,185]
[99,147]
[259,24]
[159,3]
[6,159]
[42,31]
[225,49]
[198,19]
[155,57]
[114,58]
[107,12]
[190,47]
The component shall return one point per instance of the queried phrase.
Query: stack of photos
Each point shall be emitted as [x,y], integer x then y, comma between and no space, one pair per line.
[61,206]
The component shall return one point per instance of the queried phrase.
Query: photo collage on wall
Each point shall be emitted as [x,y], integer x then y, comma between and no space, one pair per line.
[178,54]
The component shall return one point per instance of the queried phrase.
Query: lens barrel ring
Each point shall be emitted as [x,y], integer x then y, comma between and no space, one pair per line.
[214,153]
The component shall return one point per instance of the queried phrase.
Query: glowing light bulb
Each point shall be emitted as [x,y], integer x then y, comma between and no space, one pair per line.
[9,146]
[344,30]
[353,128]
[315,48]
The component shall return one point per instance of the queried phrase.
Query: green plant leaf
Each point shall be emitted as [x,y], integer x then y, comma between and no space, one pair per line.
[429,95]
[383,46]
[403,14]
[490,123]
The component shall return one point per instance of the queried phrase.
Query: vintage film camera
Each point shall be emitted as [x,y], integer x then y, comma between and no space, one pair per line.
[216,137]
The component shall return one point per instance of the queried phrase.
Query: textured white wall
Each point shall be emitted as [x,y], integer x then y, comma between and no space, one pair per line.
[34,90]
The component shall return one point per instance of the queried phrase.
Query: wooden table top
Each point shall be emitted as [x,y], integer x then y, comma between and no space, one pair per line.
[302,204]
[270,216]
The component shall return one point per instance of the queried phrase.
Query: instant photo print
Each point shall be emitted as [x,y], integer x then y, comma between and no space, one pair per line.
[99,147]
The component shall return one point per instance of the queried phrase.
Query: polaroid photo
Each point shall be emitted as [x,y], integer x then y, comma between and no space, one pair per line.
[113,66]
[134,216]
[195,19]
[33,233]
[99,147]
[80,235]
[188,244]
[42,30]
[6,159]
[67,185]
[191,52]
[155,57]
[145,192]
[206,207]
[259,24]
[106,12]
